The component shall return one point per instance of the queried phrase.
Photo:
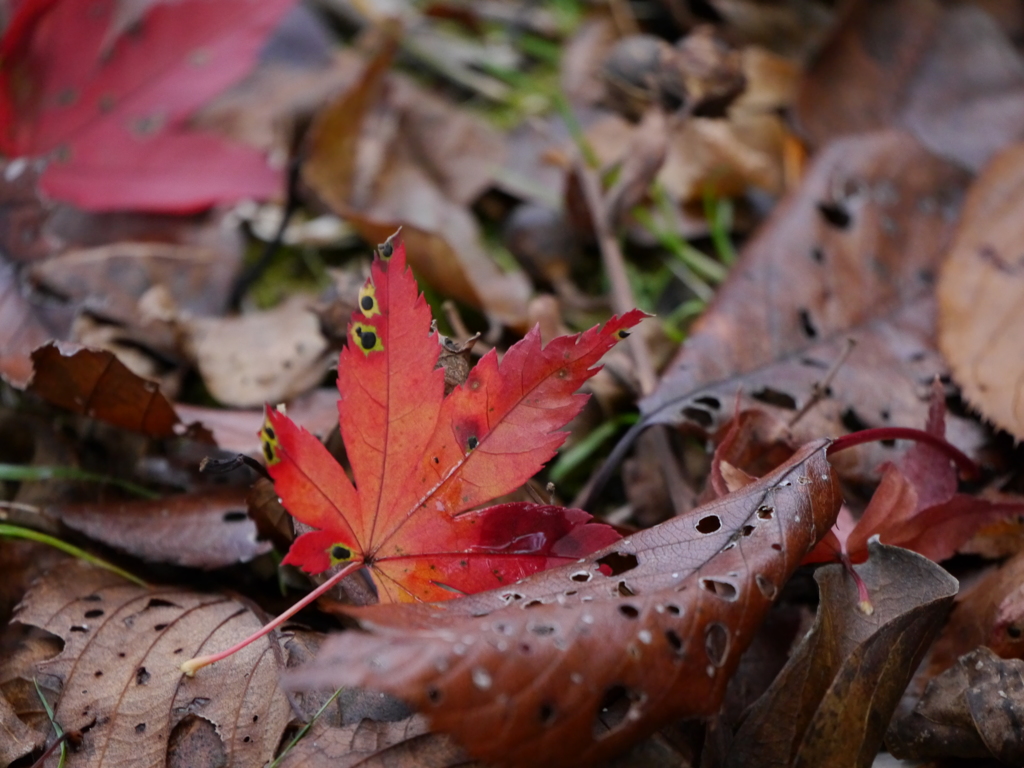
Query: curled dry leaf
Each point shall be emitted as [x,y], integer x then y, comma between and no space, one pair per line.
[95,383]
[852,253]
[980,290]
[208,529]
[948,73]
[22,328]
[575,664]
[973,710]
[16,738]
[118,671]
[292,357]
[830,704]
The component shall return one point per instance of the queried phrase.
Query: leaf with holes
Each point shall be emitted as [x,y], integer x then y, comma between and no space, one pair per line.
[851,253]
[576,663]
[422,461]
[106,90]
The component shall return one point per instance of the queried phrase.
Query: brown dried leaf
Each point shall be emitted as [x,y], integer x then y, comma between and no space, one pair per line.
[16,738]
[22,328]
[948,74]
[260,357]
[385,155]
[973,710]
[980,291]
[576,664]
[831,703]
[207,529]
[95,383]
[119,677]
[369,744]
[850,254]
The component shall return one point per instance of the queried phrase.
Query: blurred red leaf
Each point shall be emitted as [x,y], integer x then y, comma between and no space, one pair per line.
[109,96]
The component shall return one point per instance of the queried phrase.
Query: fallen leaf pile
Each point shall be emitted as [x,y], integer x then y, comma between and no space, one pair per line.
[678,426]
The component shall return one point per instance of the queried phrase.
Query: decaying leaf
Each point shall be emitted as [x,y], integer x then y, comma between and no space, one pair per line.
[980,289]
[22,328]
[947,73]
[118,670]
[384,155]
[831,703]
[200,530]
[16,738]
[95,383]
[851,254]
[292,359]
[973,710]
[577,663]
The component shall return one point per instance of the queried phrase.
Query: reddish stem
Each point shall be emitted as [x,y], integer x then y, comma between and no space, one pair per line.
[192,666]
[968,469]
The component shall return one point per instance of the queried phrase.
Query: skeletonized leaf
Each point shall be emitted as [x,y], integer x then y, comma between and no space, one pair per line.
[829,706]
[575,664]
[118,672]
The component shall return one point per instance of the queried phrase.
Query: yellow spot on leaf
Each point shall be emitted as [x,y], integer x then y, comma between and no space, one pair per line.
[268,438]
[366,338]
[339,554]
[621,334]
[368,300]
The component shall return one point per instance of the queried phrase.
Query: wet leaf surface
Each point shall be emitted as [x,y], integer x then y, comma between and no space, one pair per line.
[831,703]
[573,663]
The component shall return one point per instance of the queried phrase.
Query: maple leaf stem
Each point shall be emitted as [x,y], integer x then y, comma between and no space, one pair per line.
[193,665]
[968,469]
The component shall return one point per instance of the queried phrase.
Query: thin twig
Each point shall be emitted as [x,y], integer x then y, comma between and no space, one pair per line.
[819,389]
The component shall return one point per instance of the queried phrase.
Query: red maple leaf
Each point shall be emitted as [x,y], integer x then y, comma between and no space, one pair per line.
[108,97]
[423,463]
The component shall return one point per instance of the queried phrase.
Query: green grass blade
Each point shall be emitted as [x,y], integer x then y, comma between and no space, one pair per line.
[304,730]
[18,532]
[22,472]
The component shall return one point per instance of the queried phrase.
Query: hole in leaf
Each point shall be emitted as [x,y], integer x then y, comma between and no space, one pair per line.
[156,602]
[766,586]
[582,576]
[141,676]
[79,628]
[434,696]
[716,643]
[95,613]
[834,214]
[93,598]
[533,604]
[807,324]
[619,563]
[547,714]
[765,512]
[624,590]
[1014,631]
[698,415]
[542,629]
[629,611]
[674,609]
[616,707]
[235,516]
[160,627]
[719,588]
[98,673]
[140,728]
[674,640]
[777,547]
[708,524]
[746,530]
[774,397]
[525,648]
[852,420]
[711,402]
